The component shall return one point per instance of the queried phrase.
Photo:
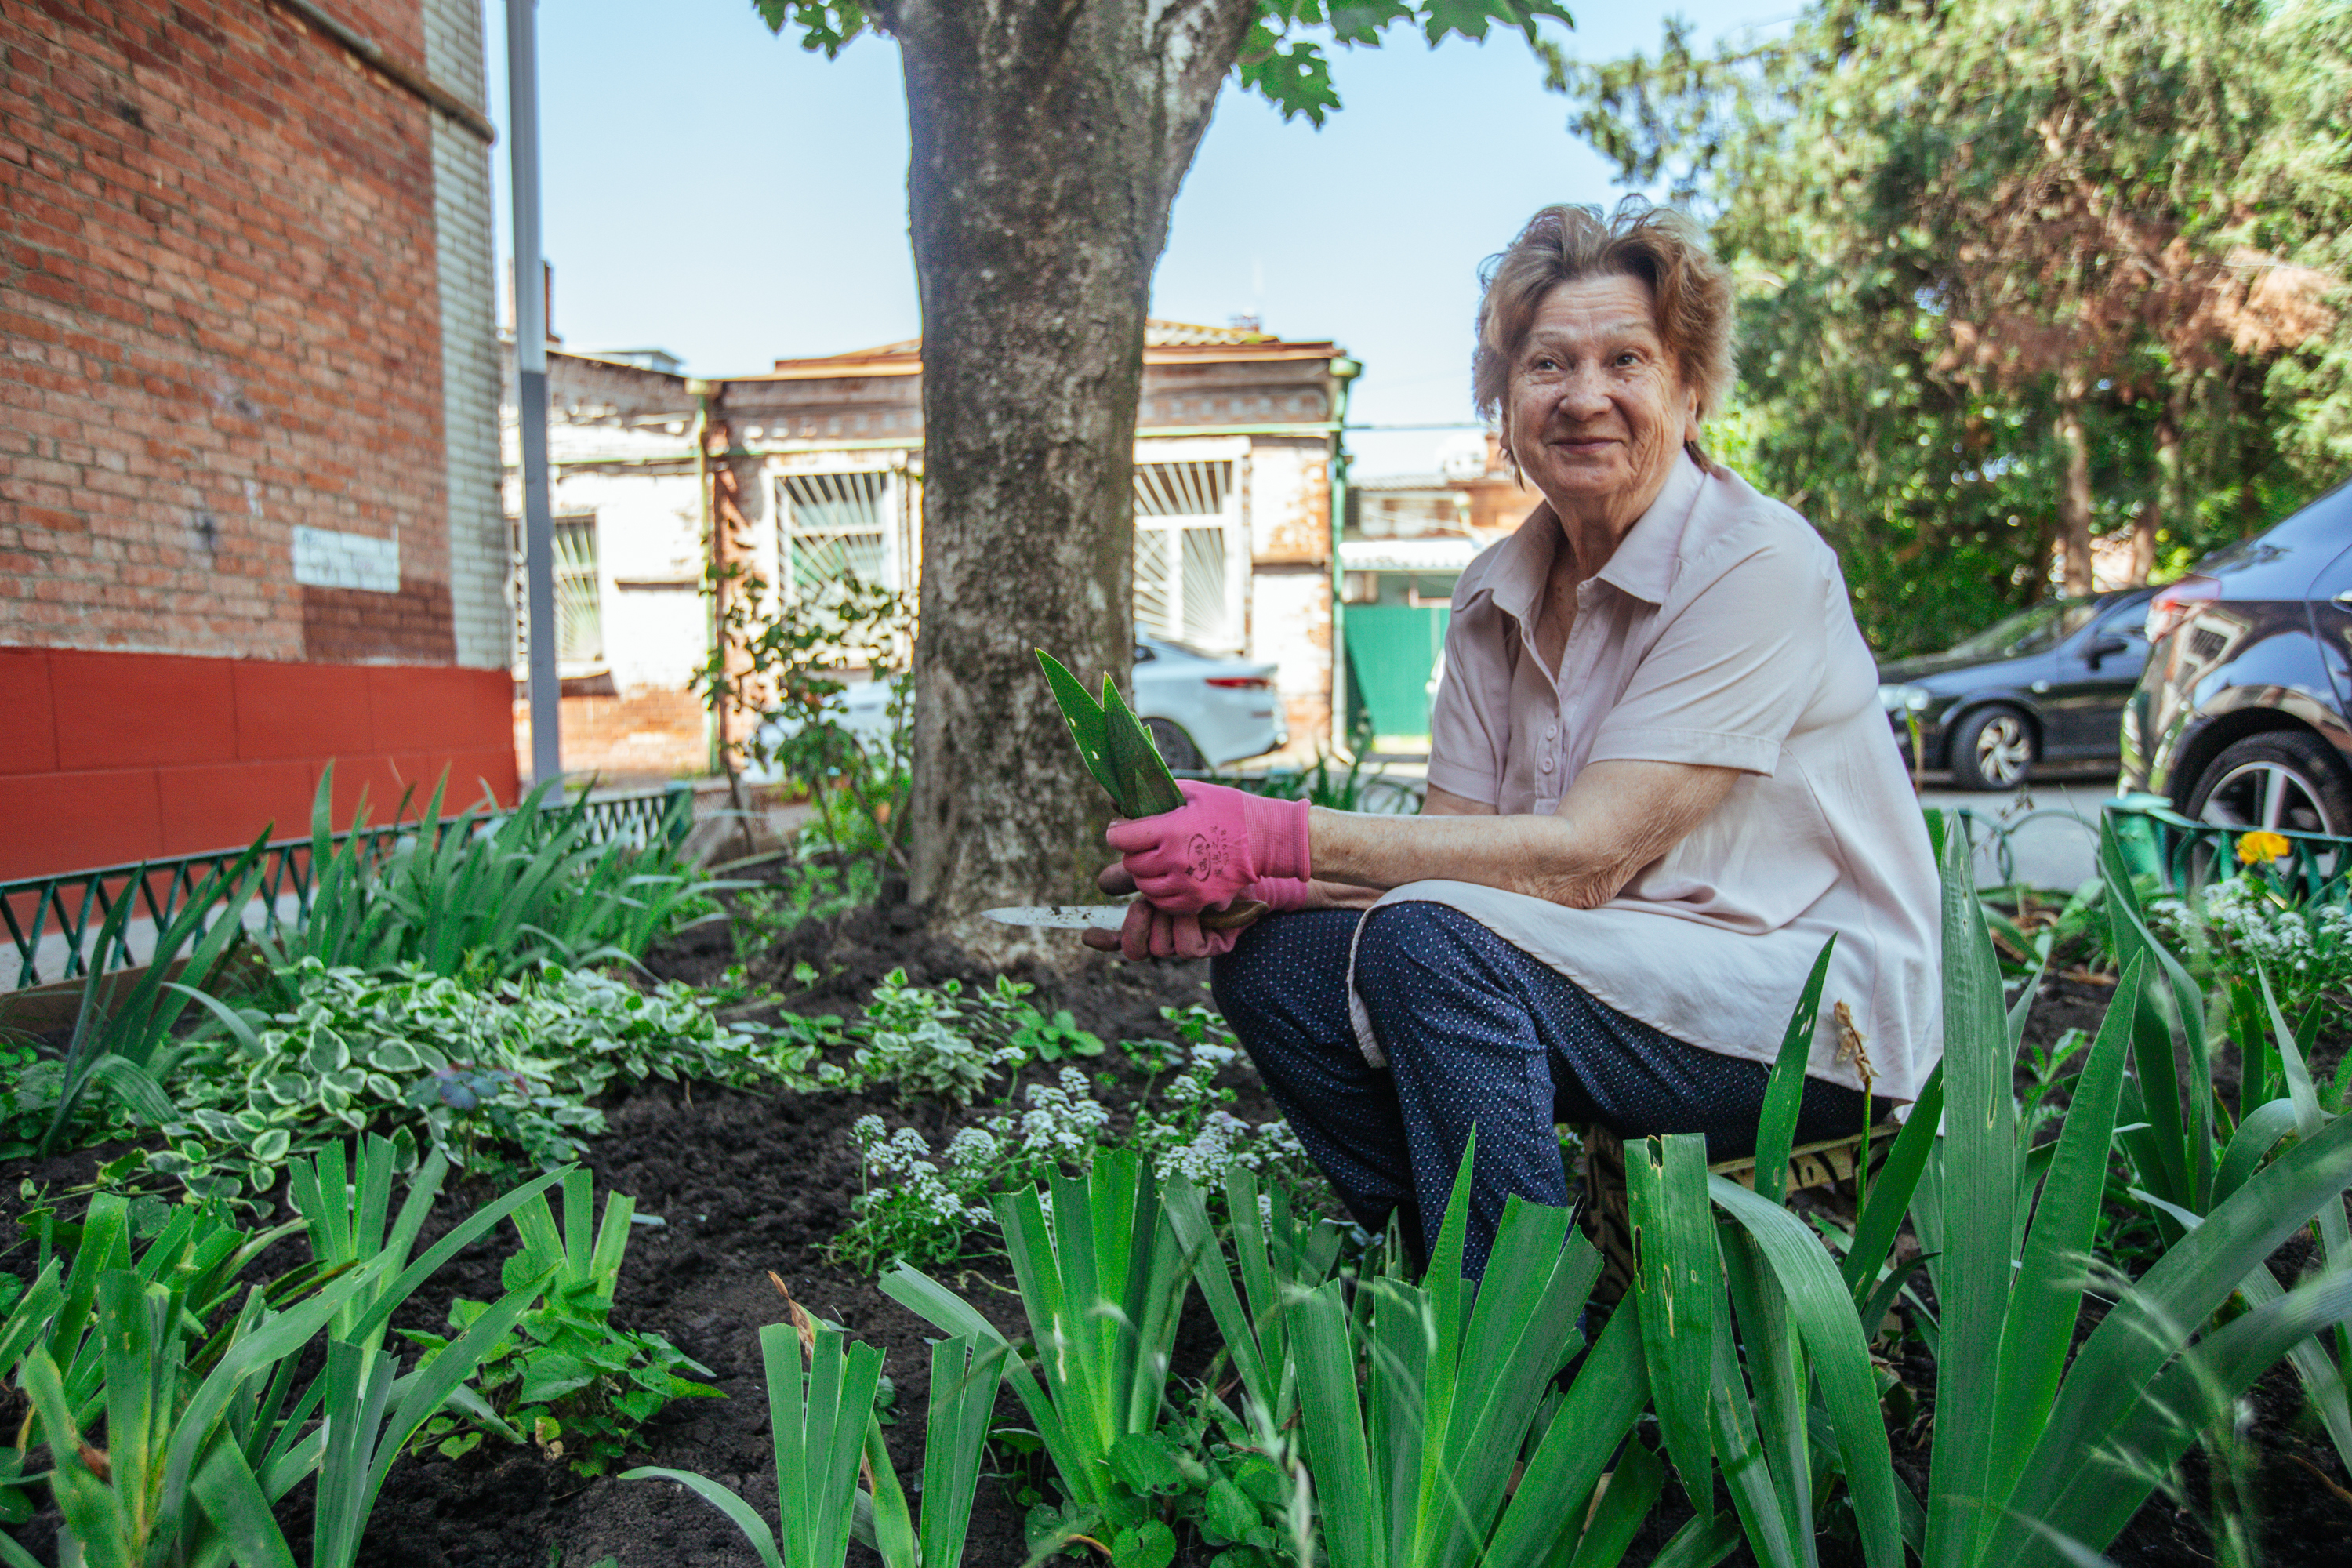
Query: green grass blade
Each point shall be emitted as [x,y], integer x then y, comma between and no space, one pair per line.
[1633,1487]
[1518,1335]
[2110,1484]
[1611,1389]
[965,1373]
[283,1334]
[1776,1130]
[2323,1380]
[1188,1213]
[882,1521]
[1084,715]
[944,1309]
[740,1513]
[460,1237]
[1747,1474]
[1776,1377]
[2172,1017]
[2260,1132]
[2183,1289]
[1355,1526]
[2049,1293]
[1978,1187]
[1898,1180]
[1839,1351]
[1702,1542]
[1677,1284]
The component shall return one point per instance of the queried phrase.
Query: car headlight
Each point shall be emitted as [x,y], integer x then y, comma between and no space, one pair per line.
[1905,699]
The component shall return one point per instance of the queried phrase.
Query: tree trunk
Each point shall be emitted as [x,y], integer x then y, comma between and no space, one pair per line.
[1048,143]
[2074,507]
[2167,501]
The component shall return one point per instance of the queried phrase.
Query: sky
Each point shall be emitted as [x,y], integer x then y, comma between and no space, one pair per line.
[716,191]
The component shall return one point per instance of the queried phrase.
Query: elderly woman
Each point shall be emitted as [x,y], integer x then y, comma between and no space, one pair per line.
[1659,780]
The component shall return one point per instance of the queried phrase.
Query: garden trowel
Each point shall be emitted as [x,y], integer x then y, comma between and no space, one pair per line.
[1110,917]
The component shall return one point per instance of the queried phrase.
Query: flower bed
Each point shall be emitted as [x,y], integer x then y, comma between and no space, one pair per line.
[741,1130]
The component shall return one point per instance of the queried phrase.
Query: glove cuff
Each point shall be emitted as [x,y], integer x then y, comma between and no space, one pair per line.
[1281,846]
[1280,893]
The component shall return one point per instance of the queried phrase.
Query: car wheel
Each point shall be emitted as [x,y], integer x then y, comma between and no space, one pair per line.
[1992,748]
[1176,748]
[2284,779]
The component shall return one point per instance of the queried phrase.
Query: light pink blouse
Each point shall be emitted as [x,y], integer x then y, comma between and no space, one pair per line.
[1719,633]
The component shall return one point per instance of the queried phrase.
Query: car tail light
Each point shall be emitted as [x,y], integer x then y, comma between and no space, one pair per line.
[2177,604]
[1241,682]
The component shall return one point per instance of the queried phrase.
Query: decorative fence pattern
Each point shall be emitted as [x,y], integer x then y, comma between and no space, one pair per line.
[54,922]
[2181,851]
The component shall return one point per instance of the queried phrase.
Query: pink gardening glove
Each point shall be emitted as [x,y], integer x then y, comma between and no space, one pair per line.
[1202,854]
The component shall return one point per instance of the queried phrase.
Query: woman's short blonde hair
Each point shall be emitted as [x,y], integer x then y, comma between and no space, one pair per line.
[1665,248]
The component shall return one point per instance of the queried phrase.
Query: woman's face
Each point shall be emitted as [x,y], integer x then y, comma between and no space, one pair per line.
[1596,411]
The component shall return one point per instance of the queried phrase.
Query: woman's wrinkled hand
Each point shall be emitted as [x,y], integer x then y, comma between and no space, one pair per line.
[1154,932]
[1203,854]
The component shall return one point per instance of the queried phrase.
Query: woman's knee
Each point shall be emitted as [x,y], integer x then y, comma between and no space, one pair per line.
[1287,966]
[1397,940]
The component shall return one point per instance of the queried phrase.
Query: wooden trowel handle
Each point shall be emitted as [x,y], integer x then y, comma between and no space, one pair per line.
[1235,916]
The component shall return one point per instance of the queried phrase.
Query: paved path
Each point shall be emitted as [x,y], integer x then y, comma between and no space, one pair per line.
[2054,830]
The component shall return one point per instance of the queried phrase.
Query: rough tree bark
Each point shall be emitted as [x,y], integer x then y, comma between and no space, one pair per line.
[2167,502]
[1048,143]
[2074,503]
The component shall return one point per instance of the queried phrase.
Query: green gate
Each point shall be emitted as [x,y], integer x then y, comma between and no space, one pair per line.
[1391,652]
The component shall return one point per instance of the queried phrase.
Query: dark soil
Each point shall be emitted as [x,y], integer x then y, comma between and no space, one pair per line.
[747,1185]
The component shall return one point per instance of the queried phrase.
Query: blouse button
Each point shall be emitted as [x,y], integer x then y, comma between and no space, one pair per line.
[1546,764]
[1552,731]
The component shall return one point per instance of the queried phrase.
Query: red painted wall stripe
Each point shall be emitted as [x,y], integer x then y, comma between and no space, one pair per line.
[113,757]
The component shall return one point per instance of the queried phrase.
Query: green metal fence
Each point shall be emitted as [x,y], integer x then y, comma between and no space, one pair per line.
[2181,852]
[66,912]
[2186,854]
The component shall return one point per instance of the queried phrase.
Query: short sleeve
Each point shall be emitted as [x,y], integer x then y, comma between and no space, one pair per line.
[1733,670]
[1470,718]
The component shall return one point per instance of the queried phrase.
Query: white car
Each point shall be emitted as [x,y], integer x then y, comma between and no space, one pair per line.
[1203,711]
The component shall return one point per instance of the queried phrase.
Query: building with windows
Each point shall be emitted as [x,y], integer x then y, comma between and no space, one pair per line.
[815,467]
[250,516]
[1406,539]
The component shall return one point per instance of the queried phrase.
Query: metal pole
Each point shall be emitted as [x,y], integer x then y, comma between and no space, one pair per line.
[531,391]
[1344,373]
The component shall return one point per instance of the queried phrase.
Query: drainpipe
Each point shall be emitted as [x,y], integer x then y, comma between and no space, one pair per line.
[1344,372]
[714,734]
[531,391]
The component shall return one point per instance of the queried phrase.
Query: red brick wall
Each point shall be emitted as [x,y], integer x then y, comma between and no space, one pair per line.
[219,295]
[107,758]
[644,737]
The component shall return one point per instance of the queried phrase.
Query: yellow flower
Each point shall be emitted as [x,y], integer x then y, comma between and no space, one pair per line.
[2261,848]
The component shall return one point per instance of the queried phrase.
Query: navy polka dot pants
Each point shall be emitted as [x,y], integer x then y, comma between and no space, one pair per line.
[1477,1034]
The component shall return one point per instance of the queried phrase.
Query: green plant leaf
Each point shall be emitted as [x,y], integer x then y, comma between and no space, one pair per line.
[1150,1544]
[741,1513]
[1776,1131]
[1146,787]
[1084,716]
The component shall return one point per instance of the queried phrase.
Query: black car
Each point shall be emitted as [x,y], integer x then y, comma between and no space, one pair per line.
[2241,717]
[2048,684]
